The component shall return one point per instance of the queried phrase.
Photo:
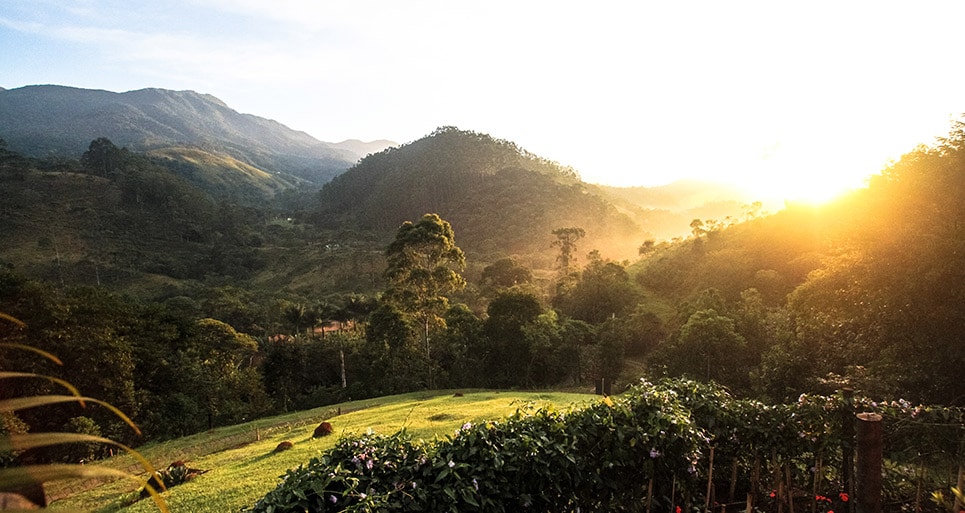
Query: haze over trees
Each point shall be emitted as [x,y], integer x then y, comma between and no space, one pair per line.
[433,265]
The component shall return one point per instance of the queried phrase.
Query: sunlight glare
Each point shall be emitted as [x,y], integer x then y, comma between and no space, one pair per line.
[775,179]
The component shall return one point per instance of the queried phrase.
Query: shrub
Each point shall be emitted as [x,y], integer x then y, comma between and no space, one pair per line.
[652,444]
[542,459]
[81,452]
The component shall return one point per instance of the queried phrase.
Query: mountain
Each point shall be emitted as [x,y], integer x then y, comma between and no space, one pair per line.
[499,198]
[666,211]
[361,148]
[50,120]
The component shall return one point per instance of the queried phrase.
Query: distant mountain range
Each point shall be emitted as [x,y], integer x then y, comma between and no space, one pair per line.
[470,178]
[50,120]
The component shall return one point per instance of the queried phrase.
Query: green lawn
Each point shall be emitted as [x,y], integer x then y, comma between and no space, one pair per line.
[242,468]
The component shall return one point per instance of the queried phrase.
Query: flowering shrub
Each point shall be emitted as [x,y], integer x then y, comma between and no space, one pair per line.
[598,458]
[651,443]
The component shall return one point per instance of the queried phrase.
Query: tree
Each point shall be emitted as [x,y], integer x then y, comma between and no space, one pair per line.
[354,308]
[219,370]
[461,350]
[391,350]
[697,228]
[509,351]
[423,267]
[566,240]
[296,316]
[102,158]
[505,273]
[603,290]
[647,248]
[709,347]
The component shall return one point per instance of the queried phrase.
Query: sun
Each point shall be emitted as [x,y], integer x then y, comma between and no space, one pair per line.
[777,177]
[815,189]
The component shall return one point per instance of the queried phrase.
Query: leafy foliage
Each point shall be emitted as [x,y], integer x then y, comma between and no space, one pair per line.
[602,457]
[543,459]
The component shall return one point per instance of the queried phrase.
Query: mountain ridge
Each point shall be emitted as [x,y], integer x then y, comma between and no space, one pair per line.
[56,120]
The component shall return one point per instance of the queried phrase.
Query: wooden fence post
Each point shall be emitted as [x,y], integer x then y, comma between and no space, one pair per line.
[868,475]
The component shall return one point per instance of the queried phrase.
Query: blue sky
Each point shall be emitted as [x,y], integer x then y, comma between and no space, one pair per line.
[786,99]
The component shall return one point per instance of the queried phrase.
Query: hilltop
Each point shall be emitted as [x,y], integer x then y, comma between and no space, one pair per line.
[498,197]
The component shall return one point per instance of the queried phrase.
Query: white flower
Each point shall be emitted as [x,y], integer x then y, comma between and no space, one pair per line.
[451,464]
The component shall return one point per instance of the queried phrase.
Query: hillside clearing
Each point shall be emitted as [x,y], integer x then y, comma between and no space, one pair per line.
[242,468]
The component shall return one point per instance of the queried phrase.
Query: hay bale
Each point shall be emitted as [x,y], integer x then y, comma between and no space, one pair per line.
[323,429]
[15,501]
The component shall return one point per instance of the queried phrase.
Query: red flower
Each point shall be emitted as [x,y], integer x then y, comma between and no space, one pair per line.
[678,509]
[844,497]
[773,495]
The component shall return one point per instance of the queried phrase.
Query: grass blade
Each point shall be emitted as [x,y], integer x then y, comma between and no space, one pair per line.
[14,320]
[22,403]
[34,440]
[23,476]
[25,347]
[71,388]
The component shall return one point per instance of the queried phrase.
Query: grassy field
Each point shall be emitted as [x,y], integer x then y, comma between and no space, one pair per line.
[241,466]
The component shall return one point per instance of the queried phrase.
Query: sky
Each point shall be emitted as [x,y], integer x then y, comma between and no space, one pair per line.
[790,100]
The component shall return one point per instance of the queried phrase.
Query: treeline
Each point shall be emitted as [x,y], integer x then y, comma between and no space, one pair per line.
[863,293]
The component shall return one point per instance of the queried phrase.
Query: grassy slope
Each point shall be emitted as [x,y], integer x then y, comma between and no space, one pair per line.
[241,466]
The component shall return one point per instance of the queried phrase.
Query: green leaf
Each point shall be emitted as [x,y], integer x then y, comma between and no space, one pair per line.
[32,474]
[442,475]
[449,492]
[22,403]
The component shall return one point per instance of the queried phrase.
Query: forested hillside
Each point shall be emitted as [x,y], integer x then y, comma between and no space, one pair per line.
[460,260]
[501,199]
[865,291]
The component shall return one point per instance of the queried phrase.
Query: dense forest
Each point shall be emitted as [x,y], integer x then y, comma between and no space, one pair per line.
[189,307]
